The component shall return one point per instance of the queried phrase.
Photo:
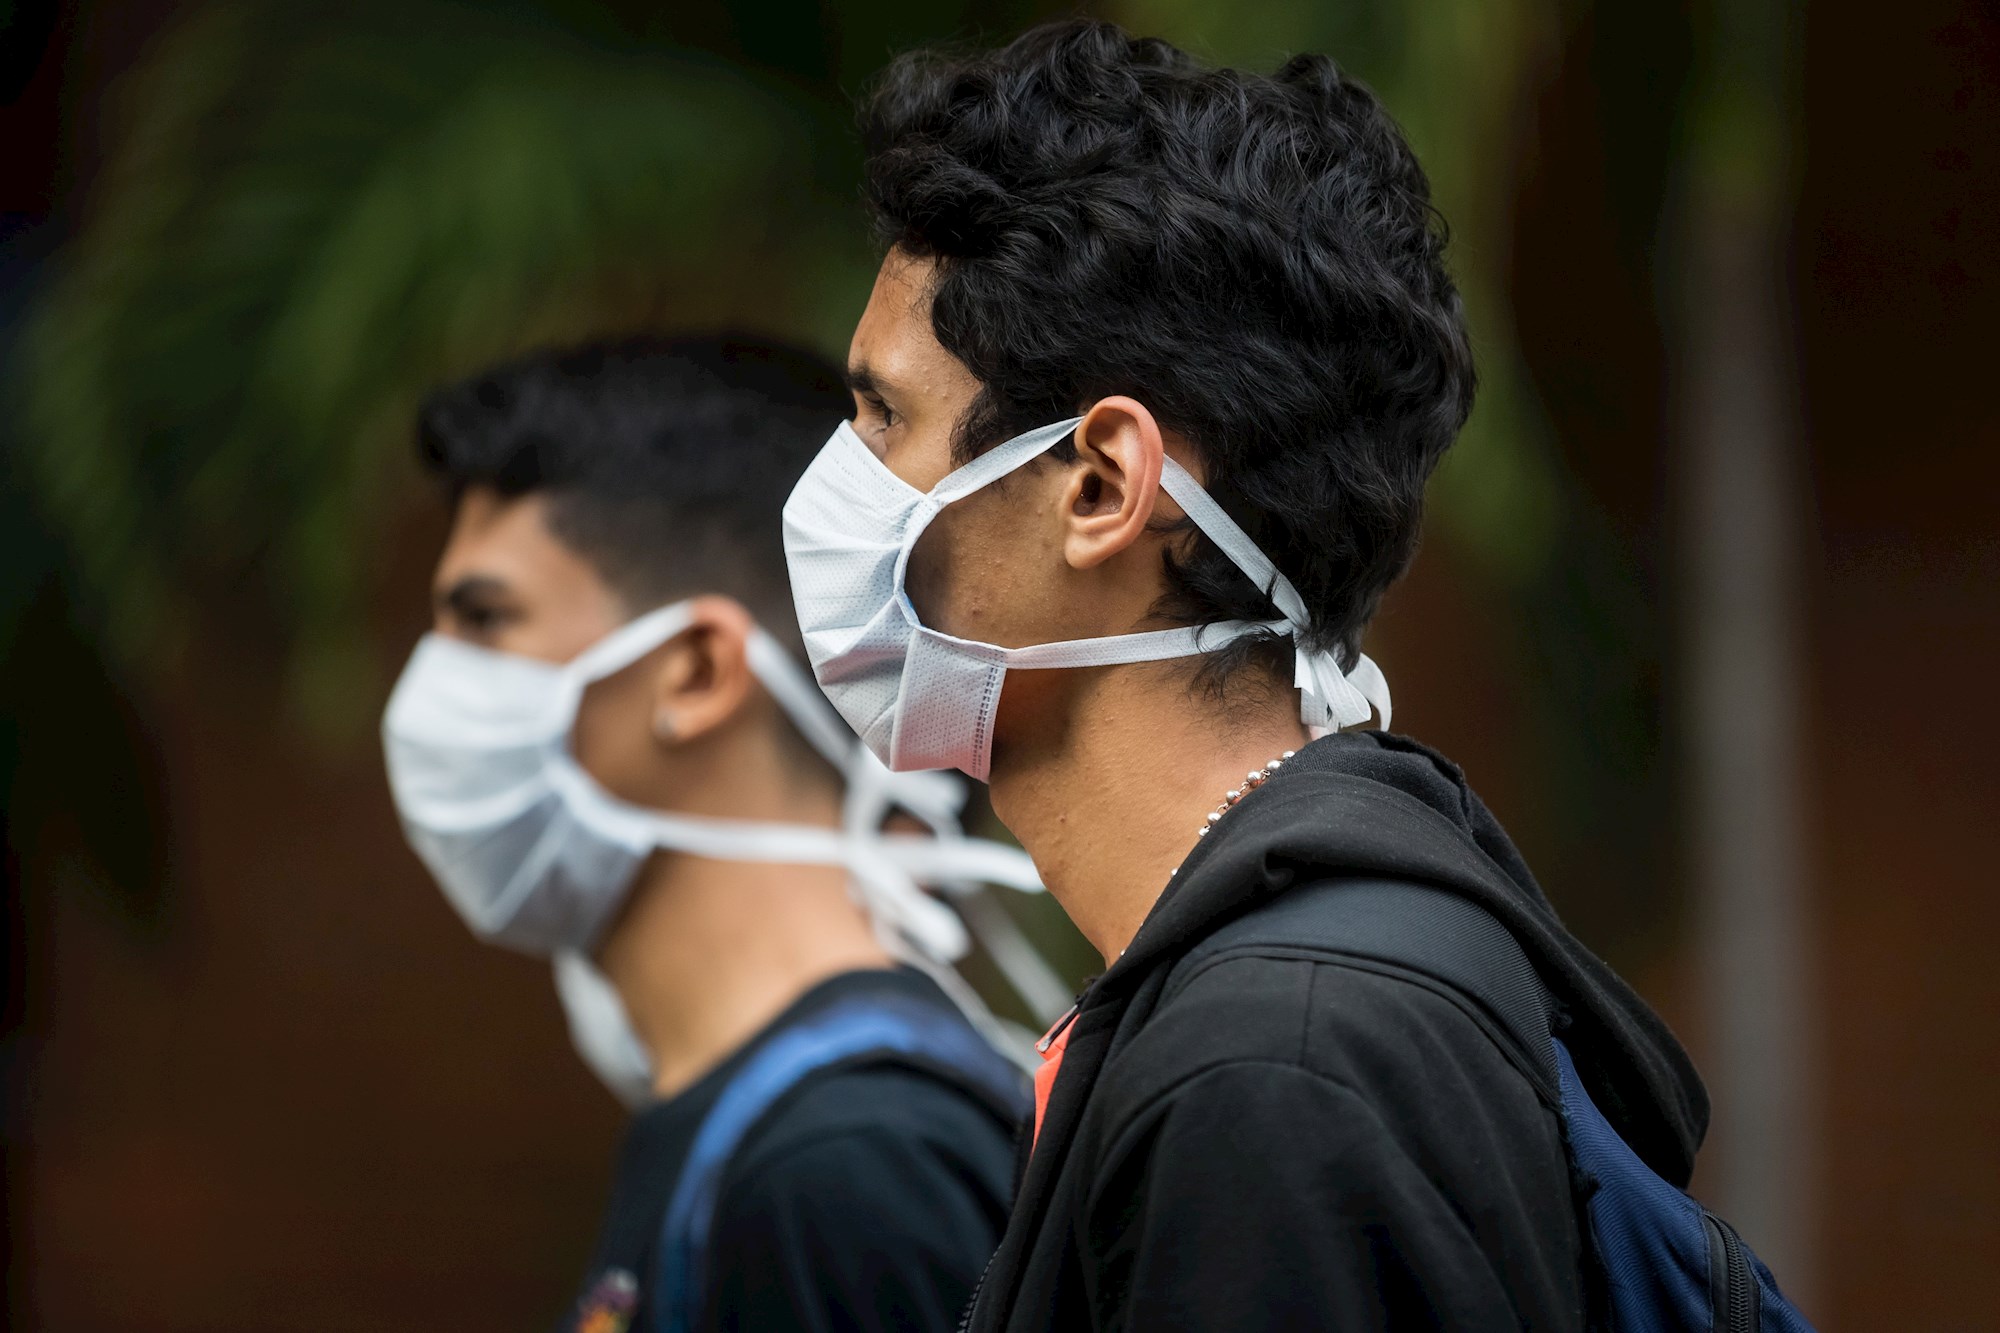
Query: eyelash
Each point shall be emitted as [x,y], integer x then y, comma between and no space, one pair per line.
[482,619]
[881,409]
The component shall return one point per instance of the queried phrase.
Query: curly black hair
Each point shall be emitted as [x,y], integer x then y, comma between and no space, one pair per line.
[1254,258]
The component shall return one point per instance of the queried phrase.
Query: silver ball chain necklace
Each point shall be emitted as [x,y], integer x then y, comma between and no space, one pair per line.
[1257,778]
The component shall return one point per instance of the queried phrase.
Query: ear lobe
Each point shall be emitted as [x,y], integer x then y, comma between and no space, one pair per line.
[703,676]
[1113,489]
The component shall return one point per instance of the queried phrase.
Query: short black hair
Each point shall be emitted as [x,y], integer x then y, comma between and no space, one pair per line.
[1254,258]
[665,461]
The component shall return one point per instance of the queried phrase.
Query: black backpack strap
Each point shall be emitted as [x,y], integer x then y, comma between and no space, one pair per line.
[1441,936]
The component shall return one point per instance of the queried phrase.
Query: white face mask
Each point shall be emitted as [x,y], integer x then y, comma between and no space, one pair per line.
[601,1030]
[924,699]
[536,855]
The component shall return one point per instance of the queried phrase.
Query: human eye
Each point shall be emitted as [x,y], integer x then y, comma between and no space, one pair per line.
[482,621]
[874,410]
[873,420]
[476,614]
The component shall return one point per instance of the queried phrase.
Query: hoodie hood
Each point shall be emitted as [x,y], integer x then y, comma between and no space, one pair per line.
[1380,805]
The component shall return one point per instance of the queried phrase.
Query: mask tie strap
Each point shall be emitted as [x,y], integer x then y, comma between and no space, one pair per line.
[869,781]
[905,916]
[1368,678]
[889,870]
[998,461]
[1328,696]
[894,896]
[788,682]
[950,862]
[800,699]
[628,643]
[1118,649]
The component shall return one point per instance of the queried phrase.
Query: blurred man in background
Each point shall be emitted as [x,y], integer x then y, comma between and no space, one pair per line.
[608,755]
[1154,374]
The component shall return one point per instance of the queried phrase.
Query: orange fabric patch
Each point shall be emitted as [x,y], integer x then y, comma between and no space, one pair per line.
[1045,1077]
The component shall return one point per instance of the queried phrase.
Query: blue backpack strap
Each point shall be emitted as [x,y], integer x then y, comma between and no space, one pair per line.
[1669,1265]
[847,1031]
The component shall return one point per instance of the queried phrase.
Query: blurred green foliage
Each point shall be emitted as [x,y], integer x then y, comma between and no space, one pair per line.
[314,212]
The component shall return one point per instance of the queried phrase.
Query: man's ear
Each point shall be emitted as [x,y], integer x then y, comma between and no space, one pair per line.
[702,678]
[1110,495]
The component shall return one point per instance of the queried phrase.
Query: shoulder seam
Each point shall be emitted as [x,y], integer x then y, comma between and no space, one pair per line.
[1466,1005]
[1116,1142]
[750,1166]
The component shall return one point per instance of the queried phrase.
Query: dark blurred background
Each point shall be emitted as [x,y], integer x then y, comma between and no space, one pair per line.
[1709,605]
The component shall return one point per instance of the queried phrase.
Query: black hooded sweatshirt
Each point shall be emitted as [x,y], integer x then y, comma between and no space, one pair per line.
[1289,1140]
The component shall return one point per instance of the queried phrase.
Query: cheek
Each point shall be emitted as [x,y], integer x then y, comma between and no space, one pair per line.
[554,638]
[613,740]
[981,571]
[932,575]
[919,458]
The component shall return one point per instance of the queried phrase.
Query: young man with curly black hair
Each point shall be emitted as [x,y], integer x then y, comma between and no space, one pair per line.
[1154,372]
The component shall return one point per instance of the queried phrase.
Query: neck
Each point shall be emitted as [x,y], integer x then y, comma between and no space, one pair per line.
[707,953]
[1111,781]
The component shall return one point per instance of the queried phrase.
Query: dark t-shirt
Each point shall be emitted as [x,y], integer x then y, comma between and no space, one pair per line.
[868,1197]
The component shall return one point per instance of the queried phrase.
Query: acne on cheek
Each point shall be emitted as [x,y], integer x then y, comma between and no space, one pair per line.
[992,568]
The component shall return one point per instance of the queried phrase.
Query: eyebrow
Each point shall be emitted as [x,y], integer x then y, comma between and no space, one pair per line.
[861,379]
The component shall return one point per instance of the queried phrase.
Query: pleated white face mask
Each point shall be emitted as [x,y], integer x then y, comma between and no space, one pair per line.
[923,699]
[536,855]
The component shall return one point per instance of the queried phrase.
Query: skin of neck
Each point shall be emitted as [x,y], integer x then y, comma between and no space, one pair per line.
[1107,774]
[705,953]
